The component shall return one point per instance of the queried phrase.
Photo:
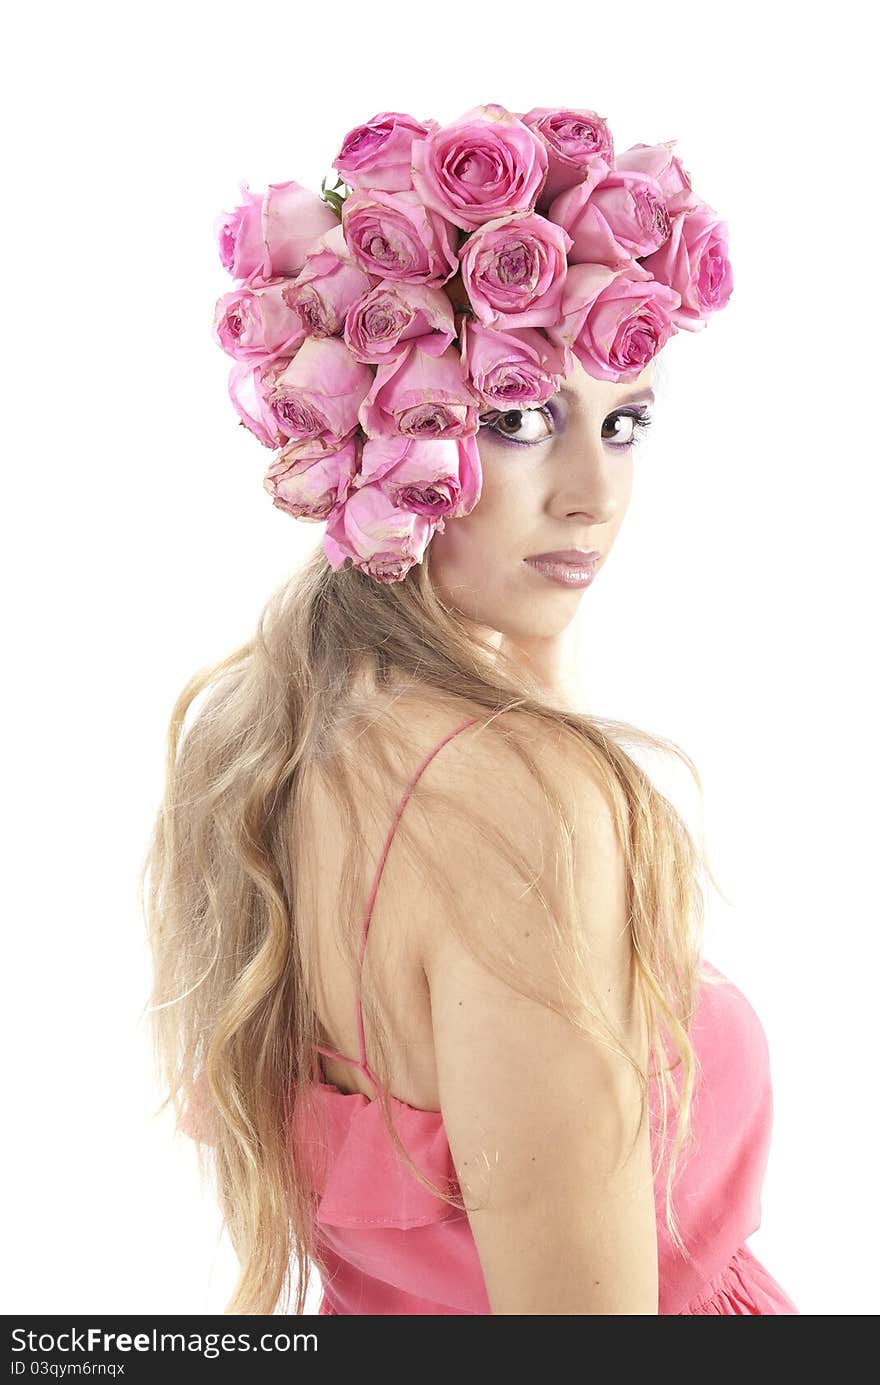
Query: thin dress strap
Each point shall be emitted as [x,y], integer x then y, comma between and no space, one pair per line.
[361,1062]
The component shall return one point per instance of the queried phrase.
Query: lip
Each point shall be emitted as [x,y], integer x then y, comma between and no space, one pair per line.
[567,568]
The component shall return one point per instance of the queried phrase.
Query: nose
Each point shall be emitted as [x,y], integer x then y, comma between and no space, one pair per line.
[591,478]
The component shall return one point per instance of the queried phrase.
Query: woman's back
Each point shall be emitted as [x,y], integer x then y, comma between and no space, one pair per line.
[393,972]
[392,1247]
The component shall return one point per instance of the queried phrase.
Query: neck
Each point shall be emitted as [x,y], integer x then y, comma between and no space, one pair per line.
[550,661]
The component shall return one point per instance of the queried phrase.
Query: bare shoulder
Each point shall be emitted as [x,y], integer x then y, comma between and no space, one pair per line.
[517,787]
[498,754]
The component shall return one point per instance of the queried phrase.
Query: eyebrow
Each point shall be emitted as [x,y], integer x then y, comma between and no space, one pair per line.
[640,396]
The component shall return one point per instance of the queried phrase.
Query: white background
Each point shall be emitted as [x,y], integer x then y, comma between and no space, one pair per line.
[736,615]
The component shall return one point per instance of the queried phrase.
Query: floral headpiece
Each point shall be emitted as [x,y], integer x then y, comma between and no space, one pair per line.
[460,268]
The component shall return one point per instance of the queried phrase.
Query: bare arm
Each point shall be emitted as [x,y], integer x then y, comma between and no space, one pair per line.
[540,1117]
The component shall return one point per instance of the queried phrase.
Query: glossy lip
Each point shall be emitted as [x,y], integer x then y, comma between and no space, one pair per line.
[567,557]
[564,572]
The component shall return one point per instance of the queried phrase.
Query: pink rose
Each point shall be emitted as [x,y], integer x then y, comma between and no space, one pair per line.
[659,162]
[579,146]
[484,165]
[615,321]
[519,366]
[421,396]
[307,479]
[378,154]
[694,262]
[513,270]
[253,322]
[250,384]
[441,476]
[393,313]
[318,394]
[269,234]
[381,539]
[392,235]
[620,219]
[326,286]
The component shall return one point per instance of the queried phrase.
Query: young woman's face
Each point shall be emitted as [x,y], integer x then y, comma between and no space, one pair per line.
[555,477]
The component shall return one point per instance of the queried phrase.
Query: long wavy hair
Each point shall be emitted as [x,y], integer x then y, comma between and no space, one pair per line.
[232,1014]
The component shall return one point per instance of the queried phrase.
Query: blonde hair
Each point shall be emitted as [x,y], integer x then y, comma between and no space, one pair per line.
[233,1023]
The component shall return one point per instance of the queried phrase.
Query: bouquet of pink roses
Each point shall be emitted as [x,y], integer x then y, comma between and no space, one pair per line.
[460,269]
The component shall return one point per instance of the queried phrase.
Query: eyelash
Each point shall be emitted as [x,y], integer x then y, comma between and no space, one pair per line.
[642,420]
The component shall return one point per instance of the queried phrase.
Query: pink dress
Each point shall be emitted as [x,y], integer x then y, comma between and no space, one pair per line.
[393,1247]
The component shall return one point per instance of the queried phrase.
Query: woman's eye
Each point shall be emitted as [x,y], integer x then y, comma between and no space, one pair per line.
[510,422]
[633,422]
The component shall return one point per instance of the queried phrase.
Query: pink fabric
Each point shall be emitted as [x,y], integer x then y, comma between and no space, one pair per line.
[392,1247]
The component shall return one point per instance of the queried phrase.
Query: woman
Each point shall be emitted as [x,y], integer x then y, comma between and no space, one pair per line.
[530,1094]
